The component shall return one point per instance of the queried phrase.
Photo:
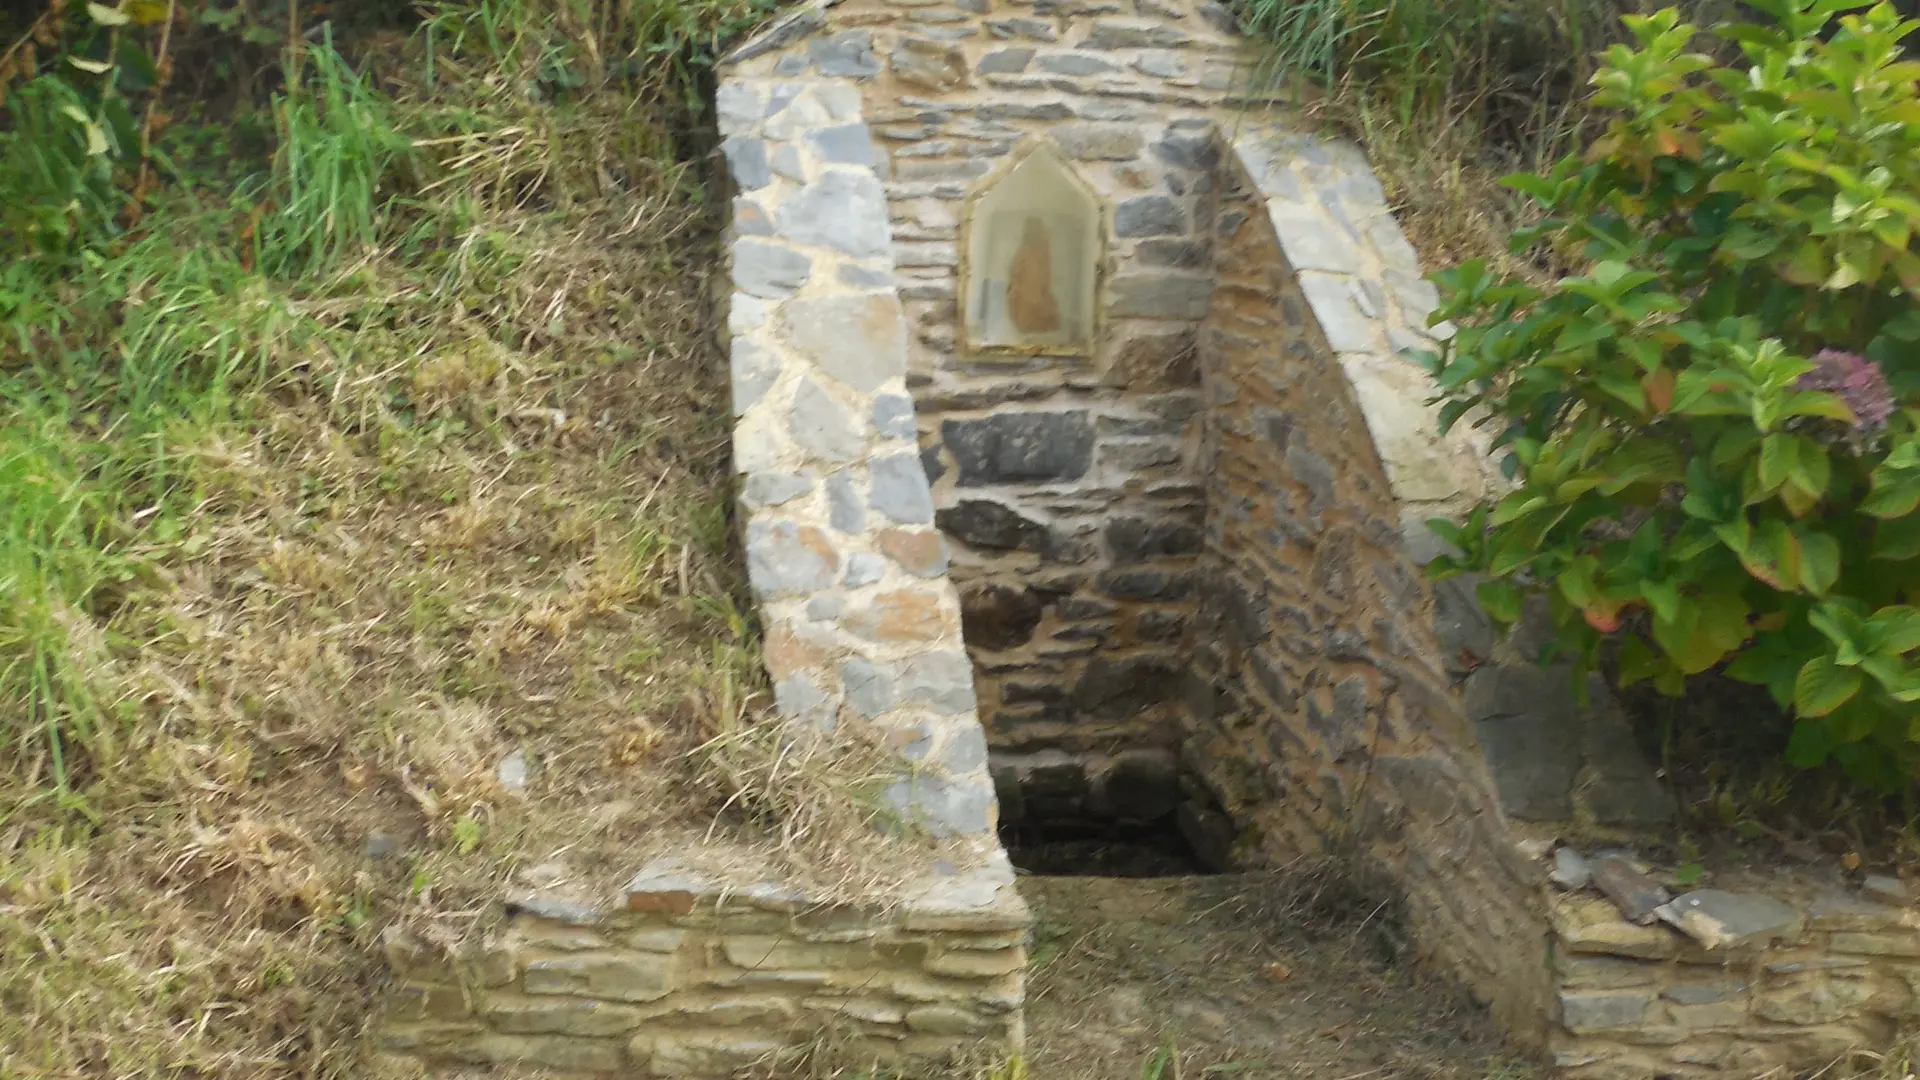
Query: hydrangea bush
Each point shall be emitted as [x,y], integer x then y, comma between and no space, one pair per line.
[1714,429]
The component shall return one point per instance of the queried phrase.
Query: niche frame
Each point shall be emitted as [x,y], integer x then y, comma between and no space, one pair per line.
[971,343]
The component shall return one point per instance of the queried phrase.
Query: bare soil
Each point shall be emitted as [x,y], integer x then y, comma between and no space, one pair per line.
[1251,976]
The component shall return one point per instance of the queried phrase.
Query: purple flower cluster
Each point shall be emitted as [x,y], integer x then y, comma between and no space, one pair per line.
[1857,381]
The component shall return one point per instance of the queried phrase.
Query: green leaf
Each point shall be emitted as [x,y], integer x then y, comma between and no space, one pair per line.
[1637,662]
[107,16]
[1823,686]
[1500,600]
[1776,458]
[1819,562]
[1663,597]
[1808,747]
[1894,495]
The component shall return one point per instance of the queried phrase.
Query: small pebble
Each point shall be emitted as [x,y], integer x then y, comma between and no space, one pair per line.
[512,772]
[1571,871]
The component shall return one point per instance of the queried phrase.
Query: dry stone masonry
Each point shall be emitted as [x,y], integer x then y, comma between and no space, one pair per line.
[683,975]
[1078,460]
[1759,974]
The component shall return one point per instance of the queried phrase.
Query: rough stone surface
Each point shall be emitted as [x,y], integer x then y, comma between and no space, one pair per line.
[844,209]
[858,339]
[1021,447]
[735,988]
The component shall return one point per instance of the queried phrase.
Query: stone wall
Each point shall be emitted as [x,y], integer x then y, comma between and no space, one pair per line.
[688,977]
[1069,485]
[1767,970]
[861,624]
[1319,715]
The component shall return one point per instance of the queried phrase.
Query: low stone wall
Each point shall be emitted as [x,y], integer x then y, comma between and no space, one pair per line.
[1767,970]
[688,977]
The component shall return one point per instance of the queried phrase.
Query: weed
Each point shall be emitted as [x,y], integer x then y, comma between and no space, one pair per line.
[319,499]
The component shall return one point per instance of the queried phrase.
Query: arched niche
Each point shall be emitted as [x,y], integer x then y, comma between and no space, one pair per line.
[1031,265]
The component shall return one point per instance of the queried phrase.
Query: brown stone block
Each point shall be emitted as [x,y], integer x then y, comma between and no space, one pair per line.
[902,615]
[788,649]
[920,552]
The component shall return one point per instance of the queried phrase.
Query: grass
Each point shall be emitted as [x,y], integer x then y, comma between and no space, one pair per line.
[361,433]
[1448,96]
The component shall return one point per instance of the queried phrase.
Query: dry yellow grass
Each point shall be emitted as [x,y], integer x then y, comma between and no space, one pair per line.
[481,512]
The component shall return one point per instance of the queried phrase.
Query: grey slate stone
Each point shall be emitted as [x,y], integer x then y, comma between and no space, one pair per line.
[764,489]
[798,698]
[754,367]
[738,105]
[963,750]
[1076,64]
[864,569]
[1160,296]
[848,54]
[844,209]
[1030,447]
[1031,29]
[1005,61]
[864,277]
[786,162]
[1716,918]
[1161,65]
[747,161]
[941,680]
[1528,725]
[821,425]
[858,339]
[893,416]
[1584,1012]
[869,689]
[942,806]
[1113,34]
[1619,787]
[1149,215]
[899,489]
[768,270]
[983,523]
[844,144]
[1189,150]
[1571,871]
[1636,894]
[1184,254]
[782,558]
[1136,539]
[845,511]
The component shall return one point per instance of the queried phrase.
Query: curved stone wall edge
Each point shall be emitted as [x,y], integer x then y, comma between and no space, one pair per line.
[1362,279]
[861,622]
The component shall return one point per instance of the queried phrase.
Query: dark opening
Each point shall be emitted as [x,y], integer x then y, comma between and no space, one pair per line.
[1136,814]
[1102,849]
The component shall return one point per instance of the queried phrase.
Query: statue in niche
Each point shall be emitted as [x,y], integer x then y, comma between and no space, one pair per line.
[1031,305]
[1031,263]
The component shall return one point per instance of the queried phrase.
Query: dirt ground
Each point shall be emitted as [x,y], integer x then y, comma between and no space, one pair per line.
[1245,976]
